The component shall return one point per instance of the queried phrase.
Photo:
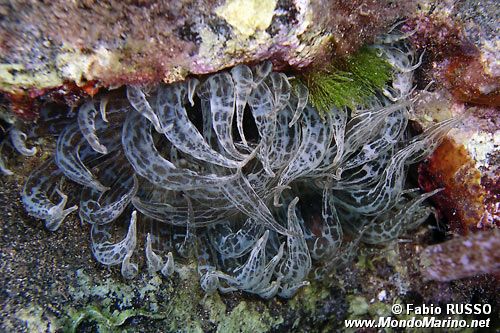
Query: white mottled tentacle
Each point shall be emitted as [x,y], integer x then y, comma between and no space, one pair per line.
[138,100]
[316,136]
[108,253]
[18,140]
[102,107]
[234,245]
[3,169]
[302,94]
[222,104]
[428,141]
[243,82]
[86,122]
[263,110]
[241,194]
[169,266]
[36,199]
[181,132]
[142,154]
[154,261]
[297,263]
[261,71]
[68,158]
[107,207]
[192,84]
[390,225]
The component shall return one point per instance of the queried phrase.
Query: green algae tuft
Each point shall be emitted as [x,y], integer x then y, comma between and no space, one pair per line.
[349,82]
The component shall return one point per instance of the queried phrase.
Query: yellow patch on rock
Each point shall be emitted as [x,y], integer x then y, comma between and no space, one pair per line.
[247,16]
[77,66]
[16,76]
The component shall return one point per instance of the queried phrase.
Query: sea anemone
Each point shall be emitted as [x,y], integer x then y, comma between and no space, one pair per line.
[239,171]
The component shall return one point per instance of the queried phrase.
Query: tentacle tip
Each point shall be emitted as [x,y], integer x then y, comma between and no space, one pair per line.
[7,172]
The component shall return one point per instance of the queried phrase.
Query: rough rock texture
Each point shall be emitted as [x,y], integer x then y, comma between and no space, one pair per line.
[44,44]
[466,165]
[462,257]
[461,44]
[462,48]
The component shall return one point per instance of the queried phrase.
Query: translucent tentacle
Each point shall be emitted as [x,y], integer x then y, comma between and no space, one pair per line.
[222,104]
[114,203]
[261,71]
[68,158]
[297,263]
[234,245]
[243,81]
[248,275]
[286,141]
[129,269]
[185,248]
[389,135]
[180,130]
[281,88]
[154,261]
[142,154]
[86,122]
[18,140]
[262,106]
[192,84]
[138,100]
[244,198]
[3,169]
[169,266]
[326,244]
[384,194]
[102,107]
[389,226]
[430,139]
[302,94]
[264,288]
[316,136]
[36,199]
[108,253]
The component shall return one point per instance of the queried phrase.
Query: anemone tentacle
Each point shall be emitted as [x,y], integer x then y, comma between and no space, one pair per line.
[241,173]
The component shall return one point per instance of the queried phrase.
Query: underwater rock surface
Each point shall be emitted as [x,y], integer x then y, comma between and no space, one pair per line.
[73,48]
[44,45]
[462,46]
[51,281]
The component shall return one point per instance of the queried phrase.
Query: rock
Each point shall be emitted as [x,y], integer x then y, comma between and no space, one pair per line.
[462,48]
[94,44]
[462,257]
[461,58]
[466,164]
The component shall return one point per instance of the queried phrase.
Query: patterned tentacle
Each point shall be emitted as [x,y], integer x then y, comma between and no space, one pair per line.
[181,132]
[68,158]
[234,245]
[243,82]
[86,123]
[142,154]
[108,253]
[18,140]
[222,104]
[138,100]
[36,198]
[297,262]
